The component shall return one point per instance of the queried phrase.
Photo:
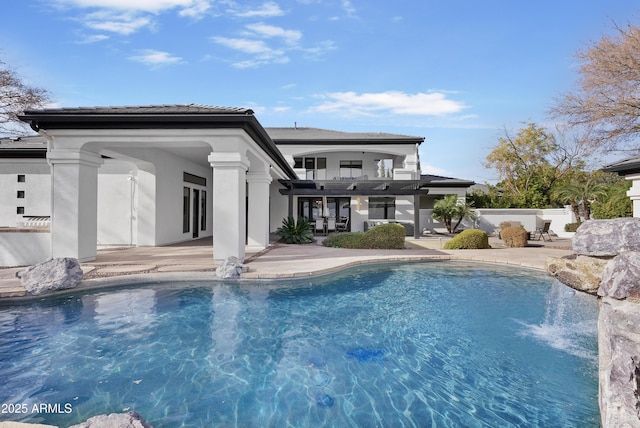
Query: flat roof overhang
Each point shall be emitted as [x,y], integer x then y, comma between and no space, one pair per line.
[353,187]
[154,118]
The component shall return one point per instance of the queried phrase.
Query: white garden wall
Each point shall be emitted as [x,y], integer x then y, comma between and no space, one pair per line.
[24,248]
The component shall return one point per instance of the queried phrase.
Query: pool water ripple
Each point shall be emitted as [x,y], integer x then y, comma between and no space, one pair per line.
[436,344]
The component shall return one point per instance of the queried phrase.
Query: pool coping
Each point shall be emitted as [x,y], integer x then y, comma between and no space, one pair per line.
[287,262]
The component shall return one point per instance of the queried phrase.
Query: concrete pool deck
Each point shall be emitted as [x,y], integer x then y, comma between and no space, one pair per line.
[193,260]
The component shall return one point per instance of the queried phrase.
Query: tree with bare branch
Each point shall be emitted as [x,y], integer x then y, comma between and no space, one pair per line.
[606,103]
[16,96]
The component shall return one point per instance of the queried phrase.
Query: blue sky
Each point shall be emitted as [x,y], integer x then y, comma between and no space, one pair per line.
[456,72]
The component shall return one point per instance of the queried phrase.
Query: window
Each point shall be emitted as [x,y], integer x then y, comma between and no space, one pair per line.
[203,211]
[20,210]
[350,168]
[20,194]
[316,168]
[21,178]
[186,209]
[382,208]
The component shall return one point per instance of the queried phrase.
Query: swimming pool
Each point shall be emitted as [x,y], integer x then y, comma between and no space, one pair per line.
[442,343]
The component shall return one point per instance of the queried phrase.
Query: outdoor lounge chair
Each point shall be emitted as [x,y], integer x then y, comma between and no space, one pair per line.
[541,231]
[320,225]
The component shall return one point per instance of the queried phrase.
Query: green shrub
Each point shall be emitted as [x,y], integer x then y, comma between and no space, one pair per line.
[343,240]
[471,239]
[293,232]
[571,227]
[383,237]
[515,236]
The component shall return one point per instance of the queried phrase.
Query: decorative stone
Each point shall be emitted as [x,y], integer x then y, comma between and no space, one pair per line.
[607,237]
[621,276]
[115,420]
[580,272]
[619,355]
[232,267]
[52,275]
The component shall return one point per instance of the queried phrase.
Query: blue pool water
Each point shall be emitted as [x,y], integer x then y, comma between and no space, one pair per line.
[435,344]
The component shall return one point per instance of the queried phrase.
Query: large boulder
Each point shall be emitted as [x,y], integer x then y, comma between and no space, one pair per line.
[619,354]
[52,275]
[607,237]
[232,267]
[115,420]
[580,272]
[621,276]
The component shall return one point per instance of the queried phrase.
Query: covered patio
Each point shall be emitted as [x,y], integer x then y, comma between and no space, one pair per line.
[194,171]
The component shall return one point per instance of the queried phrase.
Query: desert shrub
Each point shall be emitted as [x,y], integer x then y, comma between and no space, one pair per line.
[382,237]
[471,239]
[293,232]
[571,227]
[515,236]
[504,224]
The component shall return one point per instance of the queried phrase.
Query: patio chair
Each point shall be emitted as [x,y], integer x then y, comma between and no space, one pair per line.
[320,225]
[343,227]
[541,231]
[331,225]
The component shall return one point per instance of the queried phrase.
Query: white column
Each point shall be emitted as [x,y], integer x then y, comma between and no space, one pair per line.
[634,193]
[229,204]
[258,230]
[74,212]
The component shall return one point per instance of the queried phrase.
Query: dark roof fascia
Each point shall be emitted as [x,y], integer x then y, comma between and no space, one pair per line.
[89,120]
[22,153]
[355,141]
[624,167]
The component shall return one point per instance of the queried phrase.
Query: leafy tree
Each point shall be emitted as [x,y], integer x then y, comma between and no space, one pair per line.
[450,212]
[530,163]
[16,96]
[616,203]
[606,102]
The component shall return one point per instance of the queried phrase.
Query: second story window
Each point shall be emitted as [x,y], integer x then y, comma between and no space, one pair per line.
[350,168]
[316,168]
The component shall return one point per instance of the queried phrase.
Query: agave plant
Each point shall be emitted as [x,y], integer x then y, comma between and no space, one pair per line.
[295,232]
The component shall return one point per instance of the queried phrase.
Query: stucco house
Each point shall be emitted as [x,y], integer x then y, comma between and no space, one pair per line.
[157,175]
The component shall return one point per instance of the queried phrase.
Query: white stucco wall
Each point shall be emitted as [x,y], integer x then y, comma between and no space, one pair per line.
[37,188]
[24,248]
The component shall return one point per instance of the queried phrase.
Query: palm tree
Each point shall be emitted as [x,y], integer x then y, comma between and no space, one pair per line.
[580,194]
[448,210]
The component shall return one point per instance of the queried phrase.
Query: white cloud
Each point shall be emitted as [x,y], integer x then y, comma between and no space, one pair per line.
[155,58]
[394,102]
[153,6]
[261,52]
[268,9]
[121,24]
[268,31]
[129,16]
[348,7]
[243,45]
[93,39]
